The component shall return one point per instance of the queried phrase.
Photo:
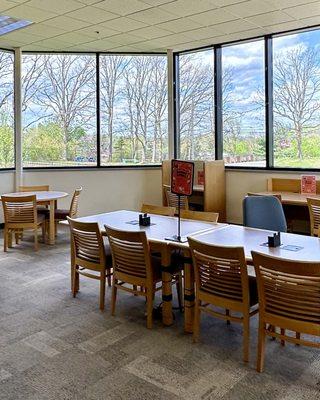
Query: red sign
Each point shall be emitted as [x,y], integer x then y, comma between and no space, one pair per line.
[182,177]
[308,184]
[200,177]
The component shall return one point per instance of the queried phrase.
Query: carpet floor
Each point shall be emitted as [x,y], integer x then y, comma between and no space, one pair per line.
[53,346]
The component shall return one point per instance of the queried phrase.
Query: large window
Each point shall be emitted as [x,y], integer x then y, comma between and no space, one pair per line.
[59,110]
[243,104]
[196,105]
[6,110]
[296,100]
[133,104]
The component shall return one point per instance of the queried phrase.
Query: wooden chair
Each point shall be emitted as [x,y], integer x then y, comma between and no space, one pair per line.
[40,188]
[314,213]
[20,213]
[63,214]
[222,280]
[200,215]
[133,265]
[89,252]
[172,199]
[158,210]
[289,298]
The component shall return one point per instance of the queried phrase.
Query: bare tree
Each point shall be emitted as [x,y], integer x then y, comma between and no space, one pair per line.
[111,70]
[296,86]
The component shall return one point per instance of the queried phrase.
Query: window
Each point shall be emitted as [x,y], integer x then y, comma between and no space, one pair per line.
[296,100]
[59,110]
[243,104]
[133,103]
[6,110]
[196,105]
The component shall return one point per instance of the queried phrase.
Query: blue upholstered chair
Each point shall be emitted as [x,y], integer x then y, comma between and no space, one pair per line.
[264,212]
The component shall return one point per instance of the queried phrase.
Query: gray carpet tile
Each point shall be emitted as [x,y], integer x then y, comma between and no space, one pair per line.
[53,346]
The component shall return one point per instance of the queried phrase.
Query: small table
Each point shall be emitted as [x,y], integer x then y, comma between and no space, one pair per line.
[161,228]
[290,198]
[49,197]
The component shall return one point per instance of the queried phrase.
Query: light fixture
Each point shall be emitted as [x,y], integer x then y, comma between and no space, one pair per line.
[9,24]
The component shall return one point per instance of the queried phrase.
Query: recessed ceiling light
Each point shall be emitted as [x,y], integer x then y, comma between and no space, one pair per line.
[9,24]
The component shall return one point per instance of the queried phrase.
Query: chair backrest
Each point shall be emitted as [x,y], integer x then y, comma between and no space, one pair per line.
[130,255]
[278,196]
[173,199]
[75,202]
[87,244]
[220,271]
[288,290]
[158,210]
[200,215]
[20,210]
[264,212]
[314,212]
[41,188]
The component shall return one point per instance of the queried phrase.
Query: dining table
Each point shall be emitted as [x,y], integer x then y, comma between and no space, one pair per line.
[49,198]
[162,228]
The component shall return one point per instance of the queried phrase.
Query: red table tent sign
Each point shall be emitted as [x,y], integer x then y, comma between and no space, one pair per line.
[308,184]
[182,177]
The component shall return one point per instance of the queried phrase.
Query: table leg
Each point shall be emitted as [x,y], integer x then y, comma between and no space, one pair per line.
[51,223]
[189,296]
[167,317]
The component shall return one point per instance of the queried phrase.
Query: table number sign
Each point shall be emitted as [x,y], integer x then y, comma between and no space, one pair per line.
[308,184]
[182,177]
[200,177]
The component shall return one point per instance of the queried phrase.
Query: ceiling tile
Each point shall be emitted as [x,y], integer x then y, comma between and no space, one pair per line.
[88,2]
[121,24]
[250,8]
[6,43]
[34,47]
[156,2]
[180,25]
[150,32]
[43,30]
[23,37]
[183,8]
[125,49]
[122,7]
[4,5]
[66,23]
[152,16]
[97,32]
[100,45]
[53,43]
[291,3]
[304,11]
[202,33]
[56,6]
[272,18]
[124,39]
[92,14]
[74,38]
[213,17]
[234,26]
[30,13]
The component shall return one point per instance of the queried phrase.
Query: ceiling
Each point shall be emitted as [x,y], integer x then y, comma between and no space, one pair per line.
[149,25]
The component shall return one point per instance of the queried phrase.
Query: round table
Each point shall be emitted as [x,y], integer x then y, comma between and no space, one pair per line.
[46,197]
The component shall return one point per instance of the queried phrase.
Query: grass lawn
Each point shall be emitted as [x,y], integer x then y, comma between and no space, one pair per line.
[296,163]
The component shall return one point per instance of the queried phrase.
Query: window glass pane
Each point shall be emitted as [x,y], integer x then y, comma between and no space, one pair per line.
[59,110]
[296,100]
[134,112]
[6,110]
[196,105]
[243,104]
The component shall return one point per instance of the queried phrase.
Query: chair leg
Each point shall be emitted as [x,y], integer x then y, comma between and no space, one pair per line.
[246,337]
[179,292]
[102,289]
[17,237]
[298,336]
[150,293]
[109,277]
[5,240]
[56,229]
[75,281]
[9,238]
[43,231]
[261,346]
[113,296]
[135,287]
[196,321]
[283,332]
[227,314]
[36,245]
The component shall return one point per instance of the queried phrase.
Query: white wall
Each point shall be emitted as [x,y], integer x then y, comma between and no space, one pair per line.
[107,190]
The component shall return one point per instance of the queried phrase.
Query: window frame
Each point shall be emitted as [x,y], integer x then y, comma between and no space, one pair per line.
[268,99]
[98,165]
[13,110]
